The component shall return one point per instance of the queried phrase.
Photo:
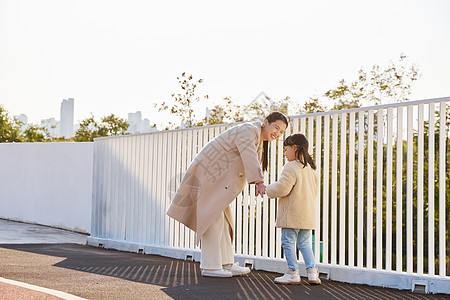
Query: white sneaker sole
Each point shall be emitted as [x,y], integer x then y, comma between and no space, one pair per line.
[242,274]
[289,282]
[207,274]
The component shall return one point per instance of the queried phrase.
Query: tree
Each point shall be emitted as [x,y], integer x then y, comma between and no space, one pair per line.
[377,86]
[112,125]
[88,130]
[108,126]
[228,112]
[9,129]
[184,100]
[34,133]
[313,106]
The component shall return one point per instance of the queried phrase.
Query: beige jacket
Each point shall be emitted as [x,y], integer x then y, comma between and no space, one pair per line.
[297,191]
[216,176]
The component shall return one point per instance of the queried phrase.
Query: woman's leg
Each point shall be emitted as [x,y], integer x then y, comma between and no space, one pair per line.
[305,247]
[211,245]
[288,239]
[226,247]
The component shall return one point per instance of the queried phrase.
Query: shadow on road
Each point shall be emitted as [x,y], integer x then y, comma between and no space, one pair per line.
[182,279]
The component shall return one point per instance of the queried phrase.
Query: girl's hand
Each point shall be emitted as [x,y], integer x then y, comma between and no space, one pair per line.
[260,189]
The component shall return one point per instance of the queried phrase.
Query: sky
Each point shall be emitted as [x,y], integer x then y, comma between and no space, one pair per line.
[125,56]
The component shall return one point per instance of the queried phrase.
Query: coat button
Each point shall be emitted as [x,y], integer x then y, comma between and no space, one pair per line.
[227,187]
[240,174]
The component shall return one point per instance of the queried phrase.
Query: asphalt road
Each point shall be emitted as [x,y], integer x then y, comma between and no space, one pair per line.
[96,273]
[60,260]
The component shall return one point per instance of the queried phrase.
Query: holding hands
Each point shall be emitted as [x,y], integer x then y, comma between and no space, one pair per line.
[260,189]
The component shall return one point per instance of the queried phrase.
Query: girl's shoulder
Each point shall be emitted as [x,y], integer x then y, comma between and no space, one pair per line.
[297,166]
[292,165]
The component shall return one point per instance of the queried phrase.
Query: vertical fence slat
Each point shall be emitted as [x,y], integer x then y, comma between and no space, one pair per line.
[317,158]
[399,192]
[409,189]
[171,184]
[343,184]
[420,163]
[258,227]
[442,187]
[251,234]
[245,204]
[326,176]
[158,200]
[135,197]
[310,134]
[379,189]
[333,225]
[351,191]
[389,148]
[95,190]
[295,126]
[114,192]
[303,126]
[431,161]
[144,187]
[280,163]
[265,220]
[360,233]
[141,181]
[129,210]
[369,246]
[166,192]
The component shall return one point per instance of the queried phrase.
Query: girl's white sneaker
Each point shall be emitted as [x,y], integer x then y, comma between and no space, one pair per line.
[313,276]
[290,277]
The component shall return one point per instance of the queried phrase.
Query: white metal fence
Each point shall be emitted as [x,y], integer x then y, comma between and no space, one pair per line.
[384,193]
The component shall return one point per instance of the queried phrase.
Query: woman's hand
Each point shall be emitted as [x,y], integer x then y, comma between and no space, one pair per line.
[260,189]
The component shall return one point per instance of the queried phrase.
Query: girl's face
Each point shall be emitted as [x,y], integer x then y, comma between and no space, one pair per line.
[272,131]
[289,152]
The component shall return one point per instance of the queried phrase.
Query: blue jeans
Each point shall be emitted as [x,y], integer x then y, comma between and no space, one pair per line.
[289,237]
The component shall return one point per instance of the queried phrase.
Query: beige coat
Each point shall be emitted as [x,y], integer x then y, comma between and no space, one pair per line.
[298,191]
[216,176]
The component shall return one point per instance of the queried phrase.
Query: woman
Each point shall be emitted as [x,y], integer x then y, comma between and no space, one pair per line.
[214,179]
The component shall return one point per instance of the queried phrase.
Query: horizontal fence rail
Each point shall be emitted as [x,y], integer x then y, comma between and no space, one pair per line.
[384,196]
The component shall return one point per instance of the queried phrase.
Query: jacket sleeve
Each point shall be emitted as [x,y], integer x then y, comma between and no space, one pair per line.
[246,144]
[283,186]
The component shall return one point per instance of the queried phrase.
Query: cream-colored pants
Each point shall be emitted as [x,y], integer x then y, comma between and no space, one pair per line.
[217,249]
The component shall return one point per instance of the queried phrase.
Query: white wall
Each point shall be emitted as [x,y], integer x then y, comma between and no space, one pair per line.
[47,183]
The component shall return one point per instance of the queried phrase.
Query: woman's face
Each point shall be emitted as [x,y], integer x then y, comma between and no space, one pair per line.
[272,131]
[289,152]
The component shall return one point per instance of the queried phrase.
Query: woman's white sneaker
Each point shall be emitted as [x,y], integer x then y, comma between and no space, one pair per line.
[237,270]
[290,277]
[313,276]
[216,273]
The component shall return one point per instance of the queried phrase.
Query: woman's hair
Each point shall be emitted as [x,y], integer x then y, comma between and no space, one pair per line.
[272,117]
[302,144]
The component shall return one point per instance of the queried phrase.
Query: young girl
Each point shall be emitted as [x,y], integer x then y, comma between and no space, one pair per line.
[297,190]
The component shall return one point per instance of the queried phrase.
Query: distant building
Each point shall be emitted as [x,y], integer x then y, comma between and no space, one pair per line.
[22,118]
[137,124]
[52,126]
[67,115]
